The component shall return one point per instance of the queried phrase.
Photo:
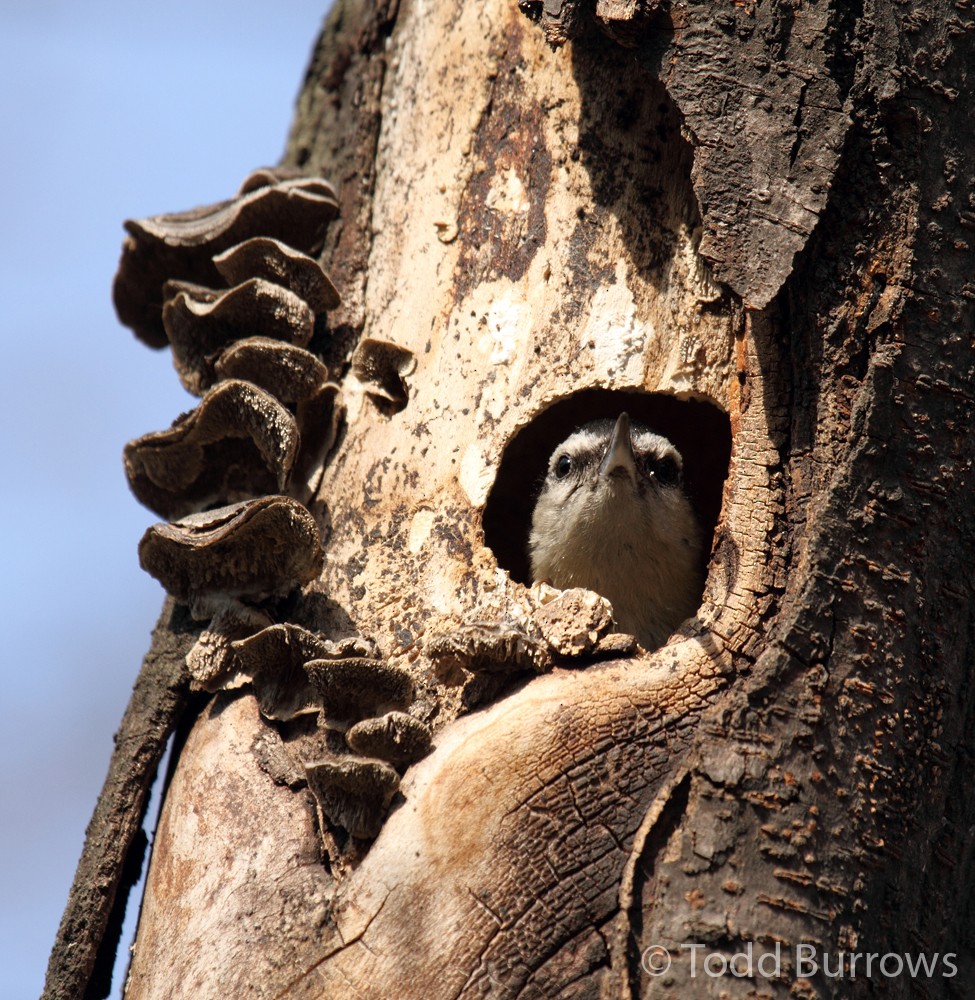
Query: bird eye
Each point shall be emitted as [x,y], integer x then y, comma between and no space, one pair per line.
[665,471]
[563,466]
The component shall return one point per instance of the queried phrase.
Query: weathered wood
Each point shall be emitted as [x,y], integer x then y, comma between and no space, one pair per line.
[242,864]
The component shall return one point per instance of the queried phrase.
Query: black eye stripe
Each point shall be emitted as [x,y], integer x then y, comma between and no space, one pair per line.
[665,469]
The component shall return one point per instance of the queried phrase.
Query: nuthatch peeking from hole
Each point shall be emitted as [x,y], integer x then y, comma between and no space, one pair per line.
[612,517]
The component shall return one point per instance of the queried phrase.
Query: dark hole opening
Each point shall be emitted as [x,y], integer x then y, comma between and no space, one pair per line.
[701,432]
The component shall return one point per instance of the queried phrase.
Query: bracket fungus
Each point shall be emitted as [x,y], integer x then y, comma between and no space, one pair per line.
[211,662]
[291,374]
[487,647]
[200,323]
[255,549]
[353,688]
[267,408]
[276,262]
[261,177]
[233,290]
[353,792]
[271,657]
[382,368]
[203,459]
[394,737]
[181,245]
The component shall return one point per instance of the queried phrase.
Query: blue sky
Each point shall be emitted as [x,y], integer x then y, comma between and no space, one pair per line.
[109,110]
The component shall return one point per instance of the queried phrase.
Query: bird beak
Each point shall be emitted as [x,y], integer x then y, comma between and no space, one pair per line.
[619,454]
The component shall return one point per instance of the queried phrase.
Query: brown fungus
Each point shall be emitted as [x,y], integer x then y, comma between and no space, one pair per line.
[200,325]
[394,737]
[278,644]
[181,245]
[319,419]
[357,687]
[255,549]
[262,257]
[241,646]
[486,647]
[295,377]
[353,792]
[240,441]
[290,374]
[261,177]
[211,662]
[382,368]
[275,658]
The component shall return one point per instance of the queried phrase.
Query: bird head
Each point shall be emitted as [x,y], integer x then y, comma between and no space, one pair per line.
[606,461]
[612,517]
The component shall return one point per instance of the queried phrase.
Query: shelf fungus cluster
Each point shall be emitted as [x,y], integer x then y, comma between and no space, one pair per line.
[235,291]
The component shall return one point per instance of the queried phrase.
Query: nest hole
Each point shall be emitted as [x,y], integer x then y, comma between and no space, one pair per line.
[700,430]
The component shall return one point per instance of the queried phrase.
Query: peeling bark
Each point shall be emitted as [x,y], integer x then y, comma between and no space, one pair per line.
[752,222]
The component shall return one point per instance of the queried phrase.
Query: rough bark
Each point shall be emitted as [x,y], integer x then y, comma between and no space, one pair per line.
[761,213]
[84,951]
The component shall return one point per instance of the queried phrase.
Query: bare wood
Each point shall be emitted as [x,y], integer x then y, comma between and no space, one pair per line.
[266,877]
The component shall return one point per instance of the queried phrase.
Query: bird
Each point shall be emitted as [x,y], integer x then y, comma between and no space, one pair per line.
[612,517]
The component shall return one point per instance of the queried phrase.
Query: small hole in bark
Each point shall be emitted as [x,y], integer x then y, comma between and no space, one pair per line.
[699,430]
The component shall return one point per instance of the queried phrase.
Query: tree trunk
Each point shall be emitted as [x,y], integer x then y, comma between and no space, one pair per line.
[751,225]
